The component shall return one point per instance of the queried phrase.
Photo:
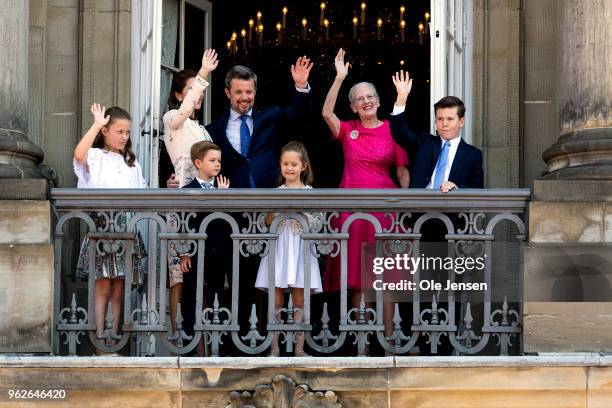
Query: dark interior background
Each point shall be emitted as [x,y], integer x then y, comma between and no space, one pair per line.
[371,60]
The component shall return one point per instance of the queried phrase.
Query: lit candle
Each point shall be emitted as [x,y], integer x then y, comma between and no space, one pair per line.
[403,31]
[259,18]
[379,28]
[260,31]
[284,17]
[322,17]
[402,10]
[243,35]
[251,24]
[421,28]
[427,16]
[229,47]
[326,24]
[234,43]
[304,23]
[355,21]
[279,28]
[363,7]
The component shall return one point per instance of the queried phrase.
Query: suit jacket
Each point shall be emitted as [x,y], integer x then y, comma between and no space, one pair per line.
[218,232]
[217,263]
[266,141]
[466,170]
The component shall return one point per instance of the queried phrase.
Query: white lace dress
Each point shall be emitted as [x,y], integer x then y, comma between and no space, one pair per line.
[181,133]
[104,169]
[289,261]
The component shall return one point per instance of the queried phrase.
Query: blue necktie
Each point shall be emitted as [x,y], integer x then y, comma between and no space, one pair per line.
[245,136]
[441,165]
[207,184]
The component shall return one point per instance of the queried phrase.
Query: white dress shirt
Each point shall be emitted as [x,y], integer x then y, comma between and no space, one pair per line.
[233,125]
[452,151]
[201,181]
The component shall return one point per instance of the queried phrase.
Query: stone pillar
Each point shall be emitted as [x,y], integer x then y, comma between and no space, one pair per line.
[26,253]
[19,158]
[584,149]
[567,262]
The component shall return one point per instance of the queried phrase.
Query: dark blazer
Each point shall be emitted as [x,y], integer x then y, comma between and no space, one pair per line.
[218,231]
[217,263]
[266,141]
[466,170]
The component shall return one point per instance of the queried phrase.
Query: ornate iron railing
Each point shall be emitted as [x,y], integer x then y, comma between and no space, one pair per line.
[112,220]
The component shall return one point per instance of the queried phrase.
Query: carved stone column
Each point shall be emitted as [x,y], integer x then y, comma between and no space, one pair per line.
[566,287]
[19,158]
[584,148]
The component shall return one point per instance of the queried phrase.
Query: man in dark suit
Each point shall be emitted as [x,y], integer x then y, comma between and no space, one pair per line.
[250,139]
[444,162]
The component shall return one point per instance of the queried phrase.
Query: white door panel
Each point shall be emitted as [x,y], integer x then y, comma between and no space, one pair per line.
[451,55]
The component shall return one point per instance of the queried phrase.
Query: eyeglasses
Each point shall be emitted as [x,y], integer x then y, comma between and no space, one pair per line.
[363,99]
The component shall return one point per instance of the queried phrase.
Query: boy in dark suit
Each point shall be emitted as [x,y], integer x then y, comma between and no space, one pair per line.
[206,157]
[444,162]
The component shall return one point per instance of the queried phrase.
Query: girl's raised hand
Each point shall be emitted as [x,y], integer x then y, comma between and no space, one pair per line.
[98,113]
[342,68]
[209,62]
[222,182]
[402,82]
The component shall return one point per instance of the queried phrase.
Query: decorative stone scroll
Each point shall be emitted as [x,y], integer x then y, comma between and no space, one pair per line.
[283,392]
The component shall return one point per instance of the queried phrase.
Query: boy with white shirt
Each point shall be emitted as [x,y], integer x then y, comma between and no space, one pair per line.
[444,162]
[206,157]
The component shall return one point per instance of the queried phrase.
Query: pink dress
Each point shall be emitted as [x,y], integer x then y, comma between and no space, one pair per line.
[368,158]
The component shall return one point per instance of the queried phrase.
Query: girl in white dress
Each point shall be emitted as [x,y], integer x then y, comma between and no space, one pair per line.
[296,172]
[104,159]
[182,130]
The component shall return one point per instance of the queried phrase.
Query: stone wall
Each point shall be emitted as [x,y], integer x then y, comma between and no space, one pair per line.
[568,257]
[496,86]
[54,83]
[79,54]
[539,99]
[26,268]
[463,382]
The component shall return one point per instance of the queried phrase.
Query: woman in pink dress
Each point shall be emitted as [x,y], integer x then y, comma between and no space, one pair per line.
[369,153]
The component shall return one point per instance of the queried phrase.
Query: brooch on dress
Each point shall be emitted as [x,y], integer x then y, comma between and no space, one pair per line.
[354,134]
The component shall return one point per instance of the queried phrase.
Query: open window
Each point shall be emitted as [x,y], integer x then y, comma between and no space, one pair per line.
[451,55]
[167,36]
[170,35]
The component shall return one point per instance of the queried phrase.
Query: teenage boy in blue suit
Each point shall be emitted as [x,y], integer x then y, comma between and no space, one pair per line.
[444,162]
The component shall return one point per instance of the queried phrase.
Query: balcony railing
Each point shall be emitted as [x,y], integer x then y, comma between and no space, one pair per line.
[482,322]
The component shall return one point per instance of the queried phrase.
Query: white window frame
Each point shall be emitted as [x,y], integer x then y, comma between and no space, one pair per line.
[451,56]
[146,69]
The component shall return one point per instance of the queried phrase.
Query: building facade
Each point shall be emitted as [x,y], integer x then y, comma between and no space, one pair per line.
[537,79]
